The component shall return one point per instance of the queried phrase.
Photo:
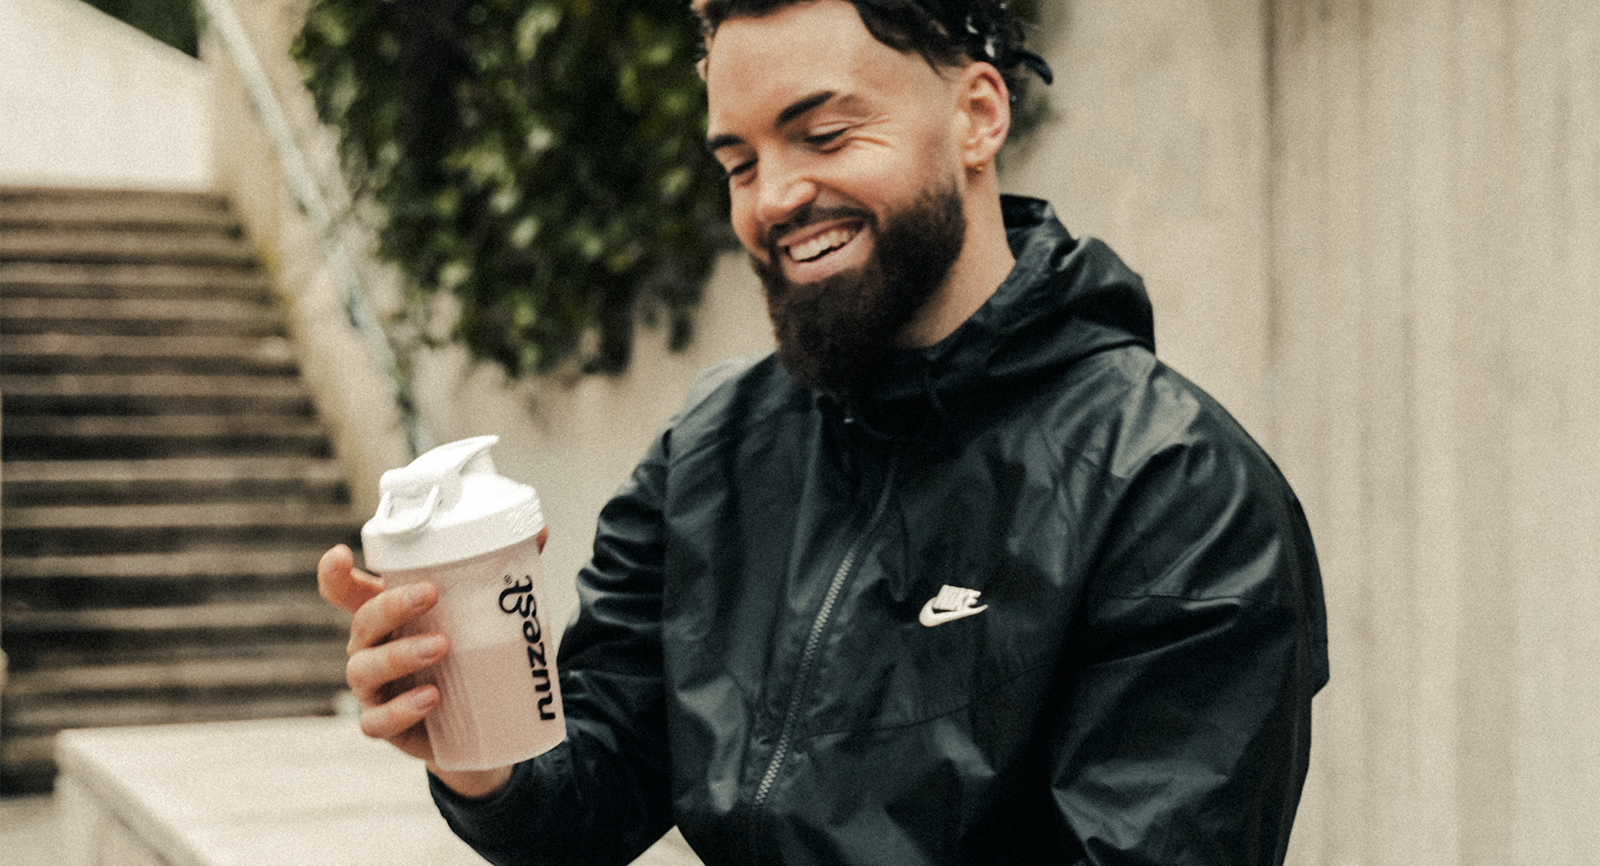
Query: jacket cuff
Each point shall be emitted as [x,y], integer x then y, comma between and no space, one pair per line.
[504,825]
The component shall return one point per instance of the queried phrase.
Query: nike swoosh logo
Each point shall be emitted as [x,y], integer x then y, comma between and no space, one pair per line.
[930,617]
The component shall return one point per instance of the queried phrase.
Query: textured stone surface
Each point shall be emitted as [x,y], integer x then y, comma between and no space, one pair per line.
[30,830]
[289,792]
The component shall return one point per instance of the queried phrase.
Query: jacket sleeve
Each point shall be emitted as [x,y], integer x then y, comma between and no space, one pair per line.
[602,796]
[1184,733]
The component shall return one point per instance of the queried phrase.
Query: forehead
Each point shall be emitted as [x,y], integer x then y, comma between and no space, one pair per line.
[756,66]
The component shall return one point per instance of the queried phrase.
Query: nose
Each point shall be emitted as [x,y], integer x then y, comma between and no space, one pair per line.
[782,194]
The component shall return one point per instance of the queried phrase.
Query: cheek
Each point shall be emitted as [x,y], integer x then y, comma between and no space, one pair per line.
[745,225]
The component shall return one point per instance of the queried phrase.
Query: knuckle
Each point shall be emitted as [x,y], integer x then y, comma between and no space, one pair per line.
[368,671]
[372,622]
[371,726]
[358,641]
[353,674]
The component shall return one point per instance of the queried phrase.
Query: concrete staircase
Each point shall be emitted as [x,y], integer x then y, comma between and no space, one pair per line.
[167,485]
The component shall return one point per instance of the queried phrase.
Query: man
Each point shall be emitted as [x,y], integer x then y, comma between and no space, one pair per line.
[963,575]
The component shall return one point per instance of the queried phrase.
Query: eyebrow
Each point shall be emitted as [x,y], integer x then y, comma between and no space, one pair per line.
[793,110]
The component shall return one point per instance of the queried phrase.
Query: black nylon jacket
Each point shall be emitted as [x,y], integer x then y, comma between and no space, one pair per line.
[748,661]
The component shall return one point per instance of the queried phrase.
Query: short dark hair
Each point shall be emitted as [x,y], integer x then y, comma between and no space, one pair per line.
[944,32]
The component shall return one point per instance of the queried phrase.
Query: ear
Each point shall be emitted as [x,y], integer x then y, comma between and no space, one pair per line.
[983,114]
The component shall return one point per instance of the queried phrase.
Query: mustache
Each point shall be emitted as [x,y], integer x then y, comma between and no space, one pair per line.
[809,215]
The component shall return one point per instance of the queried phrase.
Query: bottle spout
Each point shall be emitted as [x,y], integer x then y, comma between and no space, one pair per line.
[411,495]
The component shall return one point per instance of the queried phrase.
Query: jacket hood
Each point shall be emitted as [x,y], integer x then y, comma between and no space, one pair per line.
[1064,300]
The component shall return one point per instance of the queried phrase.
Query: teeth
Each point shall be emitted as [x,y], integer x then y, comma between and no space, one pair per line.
[820,244]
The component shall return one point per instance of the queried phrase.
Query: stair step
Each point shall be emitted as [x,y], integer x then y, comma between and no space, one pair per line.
[112,394]
[173,282]
[77,581]
[151,436]
[241,628]
[177,212]
[59,530]
[126,245]
[222,317]
[281,616]
[182,427]
[100,712]
[209,675]
[184,479]
[78,353]
[257,515]
[88,647]
[15,194]
[253,565]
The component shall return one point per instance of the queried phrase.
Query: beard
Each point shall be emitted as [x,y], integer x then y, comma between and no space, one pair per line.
[835,333]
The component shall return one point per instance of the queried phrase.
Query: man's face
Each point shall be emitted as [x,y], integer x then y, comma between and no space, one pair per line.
[842,172]
[834,331]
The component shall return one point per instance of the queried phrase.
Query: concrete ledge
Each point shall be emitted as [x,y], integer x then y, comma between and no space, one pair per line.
[306,792]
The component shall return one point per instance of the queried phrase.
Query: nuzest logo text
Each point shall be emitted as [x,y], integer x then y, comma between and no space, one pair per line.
[517,598]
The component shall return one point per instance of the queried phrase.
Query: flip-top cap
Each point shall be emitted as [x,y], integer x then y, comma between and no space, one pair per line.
[448,505]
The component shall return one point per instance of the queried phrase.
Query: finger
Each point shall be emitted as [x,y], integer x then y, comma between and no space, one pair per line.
[387,612]
[397,720]
[370,672]
[340,584]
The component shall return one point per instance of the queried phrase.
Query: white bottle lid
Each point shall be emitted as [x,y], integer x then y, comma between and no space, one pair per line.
[448,505]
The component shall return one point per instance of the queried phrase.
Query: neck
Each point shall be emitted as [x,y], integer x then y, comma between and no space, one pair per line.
[984,263]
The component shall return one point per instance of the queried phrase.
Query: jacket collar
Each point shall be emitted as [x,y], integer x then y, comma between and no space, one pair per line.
[1064,300]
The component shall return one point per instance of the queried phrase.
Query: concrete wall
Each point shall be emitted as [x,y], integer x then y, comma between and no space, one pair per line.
[1436,274]
[353,391]
[87,101]
[1373,229]
[1157,144]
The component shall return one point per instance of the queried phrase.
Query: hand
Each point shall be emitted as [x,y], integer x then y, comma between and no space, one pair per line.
[380,660]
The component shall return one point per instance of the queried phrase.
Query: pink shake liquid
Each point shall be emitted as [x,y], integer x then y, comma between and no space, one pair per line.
[499,699]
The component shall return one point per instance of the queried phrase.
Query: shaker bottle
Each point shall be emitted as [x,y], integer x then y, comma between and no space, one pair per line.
[450,518]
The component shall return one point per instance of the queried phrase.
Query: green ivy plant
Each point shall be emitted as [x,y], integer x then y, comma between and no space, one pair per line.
[542,161]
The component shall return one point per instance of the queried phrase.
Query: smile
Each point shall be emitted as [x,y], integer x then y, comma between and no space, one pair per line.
[815,248]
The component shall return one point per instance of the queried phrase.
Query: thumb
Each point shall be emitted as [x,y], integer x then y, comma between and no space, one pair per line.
[341,584]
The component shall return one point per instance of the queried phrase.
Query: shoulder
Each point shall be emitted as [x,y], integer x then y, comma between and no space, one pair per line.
[1191,513]
[718,378]
[732,396]
[1174,476]
[1123,408]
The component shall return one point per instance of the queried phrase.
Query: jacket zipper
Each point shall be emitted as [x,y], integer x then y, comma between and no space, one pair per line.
[808,657]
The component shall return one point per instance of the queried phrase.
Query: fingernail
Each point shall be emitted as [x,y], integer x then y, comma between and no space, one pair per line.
[429,647]
[423,700]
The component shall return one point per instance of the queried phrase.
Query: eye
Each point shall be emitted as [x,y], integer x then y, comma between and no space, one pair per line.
[738,169]
[824,137]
